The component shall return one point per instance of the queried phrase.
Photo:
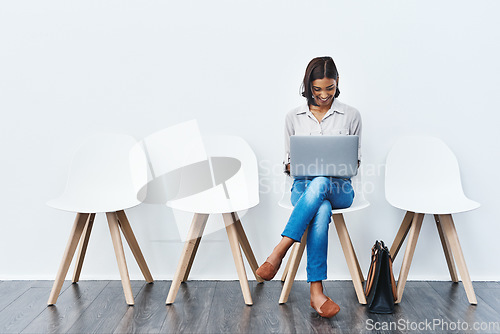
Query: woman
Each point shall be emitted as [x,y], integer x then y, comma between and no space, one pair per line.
[314,198]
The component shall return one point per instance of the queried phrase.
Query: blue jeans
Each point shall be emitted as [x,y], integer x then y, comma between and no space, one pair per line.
[313,201]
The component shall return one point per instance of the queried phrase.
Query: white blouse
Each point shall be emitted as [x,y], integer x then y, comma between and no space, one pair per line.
[341,119]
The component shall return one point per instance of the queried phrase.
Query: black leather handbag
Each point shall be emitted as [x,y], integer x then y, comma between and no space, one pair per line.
[380,286]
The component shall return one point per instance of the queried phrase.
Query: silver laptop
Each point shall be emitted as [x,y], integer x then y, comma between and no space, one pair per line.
[324,156]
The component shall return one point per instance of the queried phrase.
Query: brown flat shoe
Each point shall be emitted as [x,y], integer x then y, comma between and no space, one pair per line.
[328,309]
[267,271]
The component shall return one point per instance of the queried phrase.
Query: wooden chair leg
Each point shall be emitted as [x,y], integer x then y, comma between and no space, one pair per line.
[245,245]
[114,229]
[74,237]
[360,272]
[410,249]
[295,257]
[195,231]
[287,267]
[447,251]
[232,234]
[401,235]
[350,256]
[134,246]
[191,259]
[451,234]
[82,249]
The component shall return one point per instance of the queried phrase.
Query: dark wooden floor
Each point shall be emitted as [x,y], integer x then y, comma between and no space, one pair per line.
[217,307]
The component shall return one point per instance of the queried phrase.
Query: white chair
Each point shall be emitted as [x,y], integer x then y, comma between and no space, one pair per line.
[235,174]
[209,175]
[297,251]
[422,177]
[102,178]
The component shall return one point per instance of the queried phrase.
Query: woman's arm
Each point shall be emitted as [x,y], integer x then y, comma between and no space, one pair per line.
[289,130]
[355,129]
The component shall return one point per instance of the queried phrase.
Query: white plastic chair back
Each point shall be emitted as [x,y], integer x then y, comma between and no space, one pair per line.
[103,175]
[169,152]
[235,183]
[422,175]
[358,203]
[174,147]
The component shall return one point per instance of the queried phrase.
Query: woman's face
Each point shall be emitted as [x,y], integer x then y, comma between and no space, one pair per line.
[323,91]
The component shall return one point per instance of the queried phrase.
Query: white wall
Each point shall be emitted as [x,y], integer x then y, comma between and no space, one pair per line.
[69,69]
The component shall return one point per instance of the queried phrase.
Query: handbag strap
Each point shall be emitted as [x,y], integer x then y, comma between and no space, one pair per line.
[371,271]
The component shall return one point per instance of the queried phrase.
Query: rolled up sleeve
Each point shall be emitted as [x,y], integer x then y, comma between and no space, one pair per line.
[289,131]
[355,129]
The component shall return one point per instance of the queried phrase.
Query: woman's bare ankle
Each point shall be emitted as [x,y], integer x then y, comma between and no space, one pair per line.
[276,257]
[280,251]
[317,295]
[316,288]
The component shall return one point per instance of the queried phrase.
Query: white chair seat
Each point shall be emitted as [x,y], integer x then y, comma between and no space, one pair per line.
[103,175]
[434,204]
[206,201]
[422,175]
[98,203]
[359,203]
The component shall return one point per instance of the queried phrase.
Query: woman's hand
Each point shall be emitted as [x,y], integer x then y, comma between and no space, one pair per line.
[287,169]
